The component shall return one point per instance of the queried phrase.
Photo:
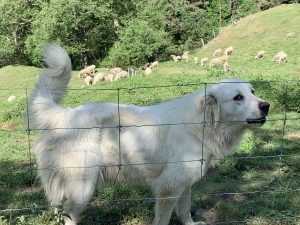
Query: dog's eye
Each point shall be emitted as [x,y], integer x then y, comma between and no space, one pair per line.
[238,98]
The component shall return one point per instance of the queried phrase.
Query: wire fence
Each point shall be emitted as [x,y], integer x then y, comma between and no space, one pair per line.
[281,123]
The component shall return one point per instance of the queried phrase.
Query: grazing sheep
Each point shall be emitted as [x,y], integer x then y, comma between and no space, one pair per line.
[218,61]
[229,50]
[154,64]
[88,80]
[226,67]
[147,71]
[109,77]
[98,78]
[185,56]
[217,52]
[176,58]
[122,74]
[146,65]
[260,54]
[204,61]
[196,60]
[90,70]
[280,57]
[290,35]
[11,98]
[115,70]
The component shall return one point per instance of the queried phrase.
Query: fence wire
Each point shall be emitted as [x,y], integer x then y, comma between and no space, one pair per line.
[32,208]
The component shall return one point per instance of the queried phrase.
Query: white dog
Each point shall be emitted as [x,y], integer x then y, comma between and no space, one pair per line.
[99,143]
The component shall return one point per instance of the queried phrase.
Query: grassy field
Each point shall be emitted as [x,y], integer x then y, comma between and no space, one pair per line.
[259,184]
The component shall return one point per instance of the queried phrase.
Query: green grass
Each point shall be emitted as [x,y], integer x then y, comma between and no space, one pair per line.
[263,190]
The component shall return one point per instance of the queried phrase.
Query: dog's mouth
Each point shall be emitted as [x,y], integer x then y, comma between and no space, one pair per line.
[259,121]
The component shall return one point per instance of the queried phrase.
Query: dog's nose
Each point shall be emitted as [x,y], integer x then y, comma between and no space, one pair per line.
[264,107]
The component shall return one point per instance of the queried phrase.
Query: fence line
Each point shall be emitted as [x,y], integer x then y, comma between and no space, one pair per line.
[284,119]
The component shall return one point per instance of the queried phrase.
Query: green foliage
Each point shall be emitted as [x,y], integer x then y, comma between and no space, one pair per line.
[15,25]
[140,42]
[85,30]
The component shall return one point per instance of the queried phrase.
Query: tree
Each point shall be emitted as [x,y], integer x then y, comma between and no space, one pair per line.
[16,18]
[85,29]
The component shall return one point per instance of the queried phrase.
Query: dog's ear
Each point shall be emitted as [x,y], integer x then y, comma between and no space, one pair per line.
[210,109]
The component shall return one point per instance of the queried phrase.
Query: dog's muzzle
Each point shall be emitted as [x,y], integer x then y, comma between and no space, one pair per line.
[264,109]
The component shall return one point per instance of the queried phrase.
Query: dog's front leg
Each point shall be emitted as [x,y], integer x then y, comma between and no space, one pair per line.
[164,207]
[183,208]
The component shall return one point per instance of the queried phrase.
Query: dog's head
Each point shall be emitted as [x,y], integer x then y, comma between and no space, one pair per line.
[234,101]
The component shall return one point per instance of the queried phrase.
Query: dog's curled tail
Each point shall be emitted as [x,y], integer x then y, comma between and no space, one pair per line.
[50,87]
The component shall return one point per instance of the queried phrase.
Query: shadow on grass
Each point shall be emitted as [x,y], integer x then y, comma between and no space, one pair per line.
[239,189]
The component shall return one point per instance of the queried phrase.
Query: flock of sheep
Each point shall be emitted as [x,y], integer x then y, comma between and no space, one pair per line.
[220,58]
[91,77]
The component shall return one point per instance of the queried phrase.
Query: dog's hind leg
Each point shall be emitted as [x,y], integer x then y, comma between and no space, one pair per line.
[78,194]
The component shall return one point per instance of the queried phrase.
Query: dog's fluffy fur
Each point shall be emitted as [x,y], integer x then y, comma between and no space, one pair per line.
[81,147]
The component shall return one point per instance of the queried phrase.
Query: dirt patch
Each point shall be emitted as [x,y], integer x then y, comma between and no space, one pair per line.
[293,136]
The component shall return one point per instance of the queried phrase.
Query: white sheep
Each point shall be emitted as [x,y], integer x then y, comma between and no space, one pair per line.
[11,98]
[185,56]
[147,71]
[154,64]
[109,77]
[218,61]
[229,50]
[115,70]
[98,78]
[204,61]
[122,74]
[217,52]
[196,59]
[88,80]
[260,54]
[226,67]
[280,57]
[90,70]
[175,58]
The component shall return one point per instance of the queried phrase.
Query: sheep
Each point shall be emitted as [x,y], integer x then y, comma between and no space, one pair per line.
[226,66]
[147,71]
[109,77]
[217,52]
[154,64]
[204,61]
[196,60]
[185,56]
[176,58]
[88,80]
[145,66]
[98,78]
[218,61]
[90,70]
[280,57]
[11,98]
[115,70]
[260,54]
[290,35]
[229,50]
[122,74]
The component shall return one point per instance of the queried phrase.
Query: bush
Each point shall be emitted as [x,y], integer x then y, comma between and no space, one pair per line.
[140,42]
